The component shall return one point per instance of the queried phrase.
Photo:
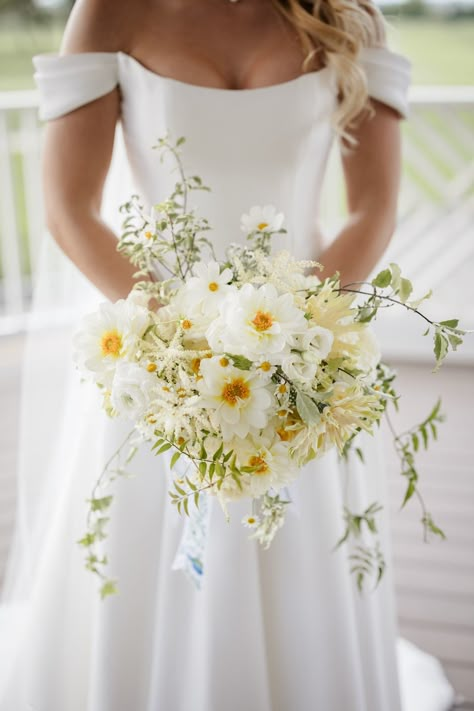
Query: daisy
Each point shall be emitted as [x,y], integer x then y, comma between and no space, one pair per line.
[261,219]
[206,289]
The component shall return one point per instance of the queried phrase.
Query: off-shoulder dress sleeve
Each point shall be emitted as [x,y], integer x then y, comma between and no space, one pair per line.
[388,77]
[66,82]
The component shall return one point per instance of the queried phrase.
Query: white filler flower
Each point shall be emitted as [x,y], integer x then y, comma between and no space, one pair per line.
[262,219]
[109,335]
[256,321]
[132,390]
[238,400]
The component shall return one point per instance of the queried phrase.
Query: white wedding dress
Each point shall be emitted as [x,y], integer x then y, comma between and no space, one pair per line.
[277,630]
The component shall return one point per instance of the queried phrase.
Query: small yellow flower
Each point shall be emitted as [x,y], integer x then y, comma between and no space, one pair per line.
[186,324]
[224,362]
[213,286]
[265,366]
[151,367]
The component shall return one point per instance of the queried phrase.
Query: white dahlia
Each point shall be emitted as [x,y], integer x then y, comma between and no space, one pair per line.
[238,401]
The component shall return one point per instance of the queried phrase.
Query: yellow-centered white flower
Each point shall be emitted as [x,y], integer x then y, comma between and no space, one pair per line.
[256,321]
[108,336]
[238,400]
[206,290]
[261,219]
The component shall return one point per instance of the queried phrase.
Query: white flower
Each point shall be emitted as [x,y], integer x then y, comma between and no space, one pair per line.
[269,458]
[369,351]
[206,290]
[296,369]
[108,336]
[132,390]
[250,521]
[262,219]
[254,322]
[238,400]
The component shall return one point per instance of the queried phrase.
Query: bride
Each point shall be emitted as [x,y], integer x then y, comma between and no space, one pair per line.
[260,89]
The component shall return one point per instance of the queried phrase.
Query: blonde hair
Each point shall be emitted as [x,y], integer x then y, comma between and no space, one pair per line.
[332,32]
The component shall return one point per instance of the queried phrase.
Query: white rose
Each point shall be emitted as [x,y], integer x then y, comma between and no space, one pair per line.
[132,390]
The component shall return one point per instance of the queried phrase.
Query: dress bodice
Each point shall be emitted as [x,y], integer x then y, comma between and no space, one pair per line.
[250,146]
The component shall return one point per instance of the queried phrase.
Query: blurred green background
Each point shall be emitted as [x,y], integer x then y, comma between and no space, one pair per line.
[436,35]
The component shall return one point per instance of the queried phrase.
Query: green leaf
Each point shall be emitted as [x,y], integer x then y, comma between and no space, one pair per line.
[415,441]
[179,489]
[405,289]
[174,459]
[164,448]
[440,347]
[101,504]
[108,588]
[240,361]
[396,276]
[451,323]
[186,506]
[383,279]
[307,409]
[454,340]
[409,493]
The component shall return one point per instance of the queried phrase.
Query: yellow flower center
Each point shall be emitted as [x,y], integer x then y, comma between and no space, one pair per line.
[259,463]
[262,321]
[186,324]
[213,286]
[282,388]
[262,225]
[151,367]
[236,390]
[265,366]
[195,365]
[224,362]
[111,343]
[148,235]
[250,520]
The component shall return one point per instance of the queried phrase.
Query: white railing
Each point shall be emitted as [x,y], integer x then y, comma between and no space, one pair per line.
[434,241]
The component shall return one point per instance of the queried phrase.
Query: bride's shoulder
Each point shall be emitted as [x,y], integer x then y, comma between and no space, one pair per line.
[102,25]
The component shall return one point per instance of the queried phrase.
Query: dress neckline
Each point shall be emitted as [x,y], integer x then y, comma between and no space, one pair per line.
[319,74]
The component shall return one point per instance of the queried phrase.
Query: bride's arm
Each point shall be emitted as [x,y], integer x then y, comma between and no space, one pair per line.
[372,177]
[76,158]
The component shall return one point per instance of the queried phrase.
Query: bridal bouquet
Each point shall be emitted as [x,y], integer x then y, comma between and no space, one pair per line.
[250,368]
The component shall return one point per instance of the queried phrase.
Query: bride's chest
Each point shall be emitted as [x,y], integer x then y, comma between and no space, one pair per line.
[270,127]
